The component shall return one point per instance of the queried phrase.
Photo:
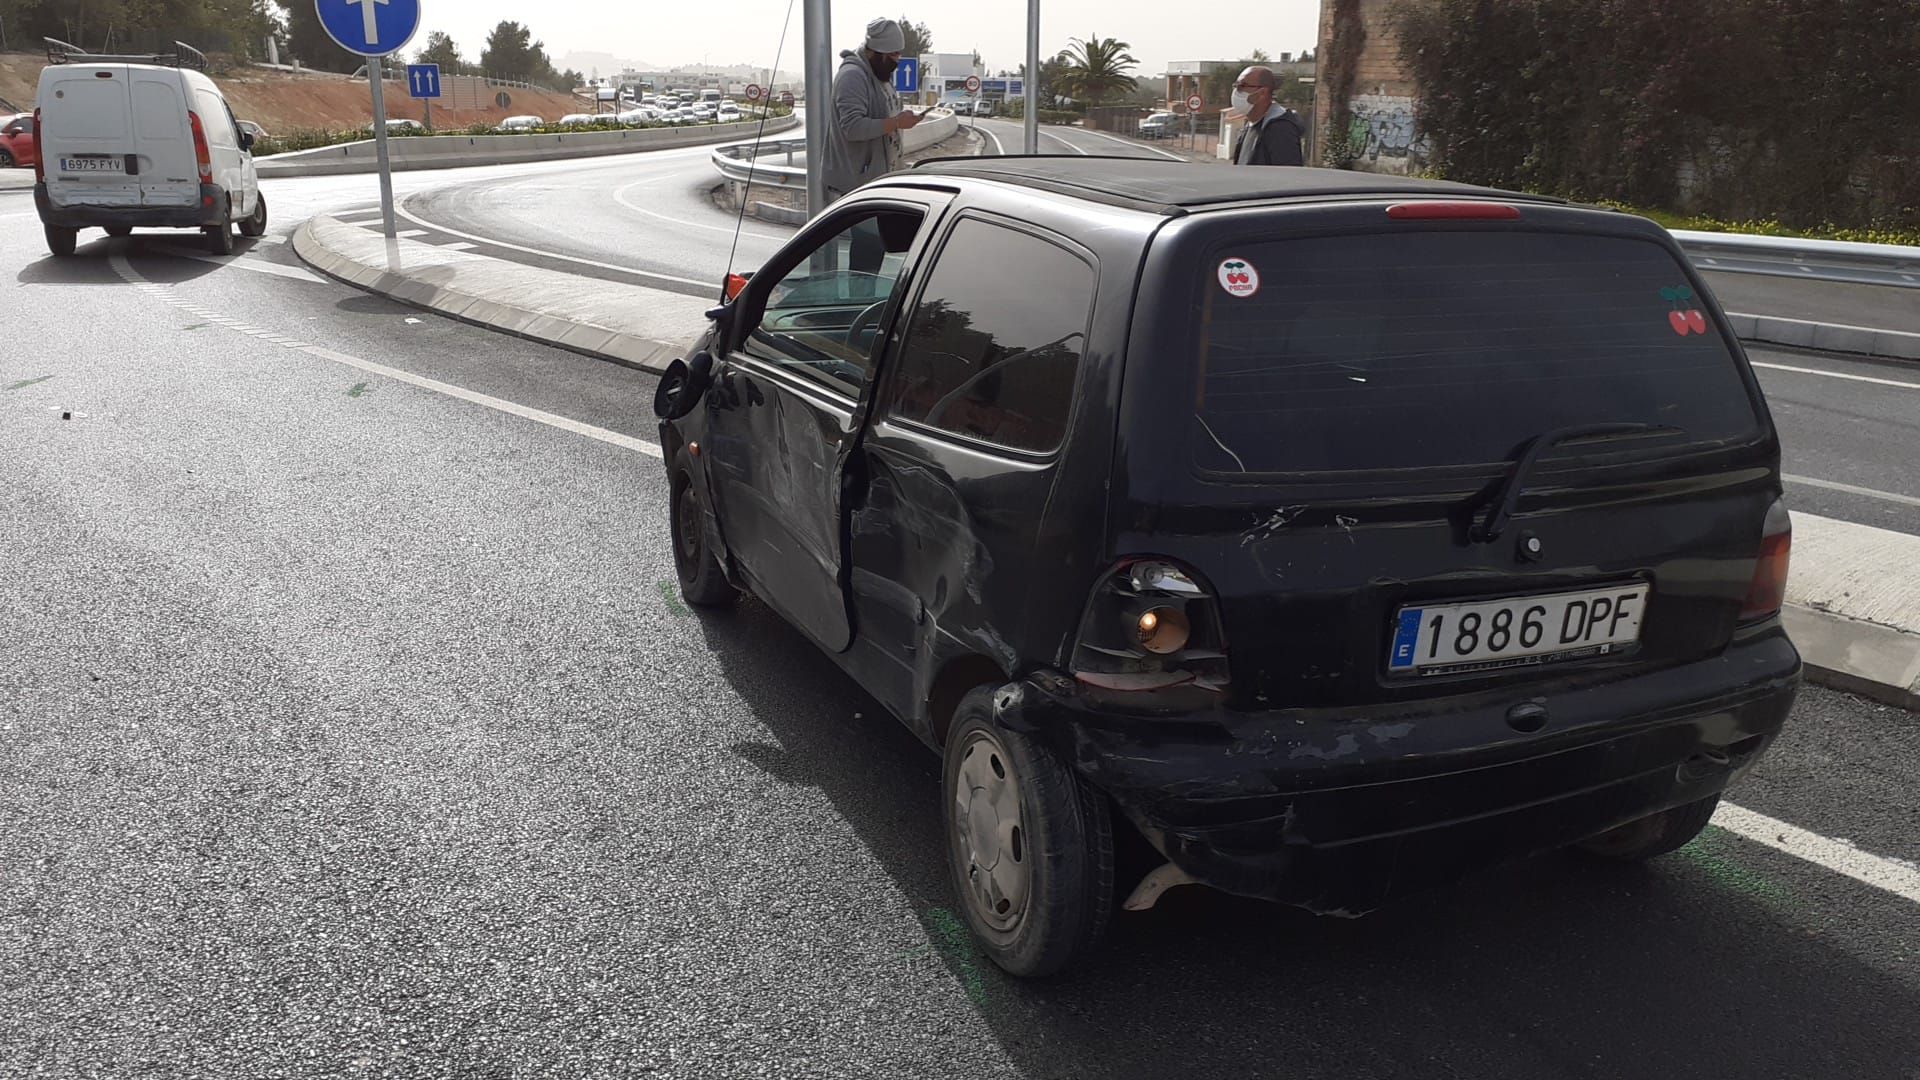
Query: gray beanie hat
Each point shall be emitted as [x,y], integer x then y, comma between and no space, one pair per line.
[885,36]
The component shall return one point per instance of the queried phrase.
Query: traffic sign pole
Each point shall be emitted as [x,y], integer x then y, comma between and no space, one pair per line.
[374,79]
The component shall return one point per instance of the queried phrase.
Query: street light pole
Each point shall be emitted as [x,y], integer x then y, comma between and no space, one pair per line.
[1032,87]
[817,22]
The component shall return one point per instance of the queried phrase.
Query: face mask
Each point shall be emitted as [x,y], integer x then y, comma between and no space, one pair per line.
[1242,101]
[882,67]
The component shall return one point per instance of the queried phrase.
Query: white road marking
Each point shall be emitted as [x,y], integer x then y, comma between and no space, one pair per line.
[620,196]
[1136,145]
[462,246]
[551,254]
[241,262]
[409,234]
[1900,878]
[513,408]
[1065,143]
[1837,375]
[1835,485]
[998,148]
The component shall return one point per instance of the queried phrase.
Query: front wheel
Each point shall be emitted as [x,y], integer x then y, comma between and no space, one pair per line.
[702,583]
[1029,843]
[6,159]
[62,241]
[256,222]
[1656,834]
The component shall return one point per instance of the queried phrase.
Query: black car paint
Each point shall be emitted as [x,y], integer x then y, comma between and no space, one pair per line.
[1319,780]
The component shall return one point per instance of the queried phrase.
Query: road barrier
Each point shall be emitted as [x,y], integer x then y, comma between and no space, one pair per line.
[454,151]
[1810,260]
[771,163]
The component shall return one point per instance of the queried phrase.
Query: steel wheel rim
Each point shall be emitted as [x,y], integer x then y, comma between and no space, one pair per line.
[989,833]
[686,520]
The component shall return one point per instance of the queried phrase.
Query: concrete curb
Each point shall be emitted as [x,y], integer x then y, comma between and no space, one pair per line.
[1826,337]
[490,308]
[1862,658]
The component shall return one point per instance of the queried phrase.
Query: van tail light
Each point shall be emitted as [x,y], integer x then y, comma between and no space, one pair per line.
[39,149]
[200,151]
[1151,626]
[1768,590]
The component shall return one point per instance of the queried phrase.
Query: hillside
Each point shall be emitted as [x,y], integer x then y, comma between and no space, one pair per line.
[285,101]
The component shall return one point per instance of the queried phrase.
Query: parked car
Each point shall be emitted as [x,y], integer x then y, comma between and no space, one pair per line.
[580,119]
[179,160]
[1162,125]
[403,126]
[728,113]
[519,123]
[248,127]
[19,146]
[1336,533]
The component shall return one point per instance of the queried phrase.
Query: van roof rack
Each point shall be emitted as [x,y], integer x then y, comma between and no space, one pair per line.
[182,56]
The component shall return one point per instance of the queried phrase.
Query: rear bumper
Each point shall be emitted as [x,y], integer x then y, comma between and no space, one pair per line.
[1339,810]
[208,212]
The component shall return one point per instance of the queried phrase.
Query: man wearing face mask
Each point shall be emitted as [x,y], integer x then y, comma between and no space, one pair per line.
[867,118]
[1273,131]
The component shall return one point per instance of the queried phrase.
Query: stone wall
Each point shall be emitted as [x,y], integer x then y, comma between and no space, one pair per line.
[1379,101]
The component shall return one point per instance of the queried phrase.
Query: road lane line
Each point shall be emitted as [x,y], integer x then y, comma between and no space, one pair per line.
[402,211]
[1836,375]
[1835,485]
[241,262]
[620,196]
[1135,145]
[1065,143]
[1900,878]
[998,148]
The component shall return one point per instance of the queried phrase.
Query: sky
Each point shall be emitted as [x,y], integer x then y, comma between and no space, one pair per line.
[667,33]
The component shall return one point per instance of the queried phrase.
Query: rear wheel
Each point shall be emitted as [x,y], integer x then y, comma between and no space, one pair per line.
[119,230]
[1030,845]
[702,583]
[62,241]
[256,222]
[1656,834]
[6,159]
[220,237]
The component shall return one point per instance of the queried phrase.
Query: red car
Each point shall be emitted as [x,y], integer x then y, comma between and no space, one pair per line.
[19,146]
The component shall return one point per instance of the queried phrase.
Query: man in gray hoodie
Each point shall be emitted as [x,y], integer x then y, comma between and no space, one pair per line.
[864,139]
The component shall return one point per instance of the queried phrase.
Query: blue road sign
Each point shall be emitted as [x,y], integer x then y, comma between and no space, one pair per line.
[423,80]
[906,77]
[369,27]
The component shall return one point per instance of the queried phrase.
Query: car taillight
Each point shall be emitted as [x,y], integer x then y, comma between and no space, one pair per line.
[1453,211]
[1151,625]
[200,151]
[1768,590]
[39,149]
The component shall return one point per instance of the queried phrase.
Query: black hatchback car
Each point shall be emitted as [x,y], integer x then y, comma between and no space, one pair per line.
[1336,532]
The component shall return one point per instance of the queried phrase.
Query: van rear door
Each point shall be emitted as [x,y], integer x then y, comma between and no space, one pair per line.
[87,138]
[1331,401]
[169,165]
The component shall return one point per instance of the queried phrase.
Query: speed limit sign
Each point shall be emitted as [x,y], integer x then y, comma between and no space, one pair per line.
[973,84]
[1194,103]
[753,91]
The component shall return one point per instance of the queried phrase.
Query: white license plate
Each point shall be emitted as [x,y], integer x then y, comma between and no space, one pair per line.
[92,164]
[1519,631]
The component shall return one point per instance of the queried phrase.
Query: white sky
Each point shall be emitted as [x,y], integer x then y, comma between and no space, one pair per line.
[667,32]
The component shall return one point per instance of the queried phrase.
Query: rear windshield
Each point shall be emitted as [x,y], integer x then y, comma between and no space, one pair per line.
[1429,349]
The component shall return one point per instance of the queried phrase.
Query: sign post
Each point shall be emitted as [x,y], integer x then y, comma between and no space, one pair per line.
[1193,121]
[423,82]
[816,22]
[973,108]
[1031,92]
[378,29]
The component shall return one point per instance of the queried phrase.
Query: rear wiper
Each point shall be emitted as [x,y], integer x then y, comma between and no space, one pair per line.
[1506,497]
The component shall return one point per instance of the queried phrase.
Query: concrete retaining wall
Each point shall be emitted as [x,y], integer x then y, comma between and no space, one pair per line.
[454,151]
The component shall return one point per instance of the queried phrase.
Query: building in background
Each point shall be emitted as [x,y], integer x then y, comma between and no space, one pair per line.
[943,76]
[1377,106]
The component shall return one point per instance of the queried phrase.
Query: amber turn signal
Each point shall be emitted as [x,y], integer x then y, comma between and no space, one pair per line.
[1163,630]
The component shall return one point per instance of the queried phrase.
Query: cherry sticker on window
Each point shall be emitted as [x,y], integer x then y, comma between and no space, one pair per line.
[1688,320]
[1239,278]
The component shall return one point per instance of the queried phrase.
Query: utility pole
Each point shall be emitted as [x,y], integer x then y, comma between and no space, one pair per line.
[1032,88]
[817,22]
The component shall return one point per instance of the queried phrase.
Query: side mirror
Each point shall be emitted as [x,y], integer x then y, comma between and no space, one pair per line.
[246,142]
[682,387]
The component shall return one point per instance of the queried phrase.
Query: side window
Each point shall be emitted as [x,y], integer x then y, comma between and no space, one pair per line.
[233,123]
[995,343]
[216,120]
[823,316]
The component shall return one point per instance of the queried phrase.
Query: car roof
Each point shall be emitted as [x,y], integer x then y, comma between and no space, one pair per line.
[1168,187]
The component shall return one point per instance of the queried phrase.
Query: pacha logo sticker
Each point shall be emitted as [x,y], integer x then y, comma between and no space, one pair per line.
[1688,320]
[1238,277]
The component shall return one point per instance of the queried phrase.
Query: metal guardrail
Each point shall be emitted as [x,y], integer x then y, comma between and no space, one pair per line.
[742,162]
[1809,260]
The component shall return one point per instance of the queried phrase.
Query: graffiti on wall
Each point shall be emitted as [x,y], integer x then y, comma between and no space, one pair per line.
[1382,134]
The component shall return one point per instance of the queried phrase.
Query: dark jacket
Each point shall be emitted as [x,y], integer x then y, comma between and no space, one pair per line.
[1279,141]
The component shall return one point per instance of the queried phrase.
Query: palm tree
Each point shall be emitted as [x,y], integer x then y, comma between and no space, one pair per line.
[1097,68]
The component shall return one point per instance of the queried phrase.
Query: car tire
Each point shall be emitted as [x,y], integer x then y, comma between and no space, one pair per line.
[1042,901]
[119,232]
[702,582]
[256,223]
[1655,834]
[220,237]
[62,241]
[6,159]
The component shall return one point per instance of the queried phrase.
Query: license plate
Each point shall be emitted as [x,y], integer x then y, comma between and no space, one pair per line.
[1520,631]
[92,164]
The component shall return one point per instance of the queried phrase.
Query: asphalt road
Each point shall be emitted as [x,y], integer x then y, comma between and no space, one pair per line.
[348,727]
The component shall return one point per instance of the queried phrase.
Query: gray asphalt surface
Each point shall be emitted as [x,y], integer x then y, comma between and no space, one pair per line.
[347,728]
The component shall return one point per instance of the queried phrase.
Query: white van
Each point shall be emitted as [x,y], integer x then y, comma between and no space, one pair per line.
[134,142]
